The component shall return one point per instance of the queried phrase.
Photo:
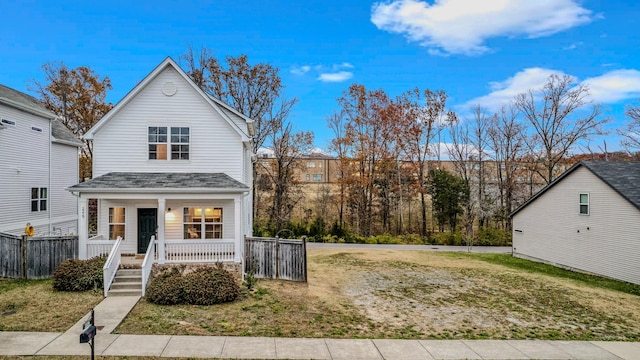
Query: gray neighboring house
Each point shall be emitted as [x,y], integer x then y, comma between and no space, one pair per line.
[588,219]
[39,161]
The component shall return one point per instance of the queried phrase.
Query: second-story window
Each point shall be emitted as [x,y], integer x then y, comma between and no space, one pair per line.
[157,143]
[179,143]
[161,139]
[317,177]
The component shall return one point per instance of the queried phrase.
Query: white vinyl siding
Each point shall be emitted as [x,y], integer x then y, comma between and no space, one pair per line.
[64,173]
[24,165]
[605,242]
[122,143]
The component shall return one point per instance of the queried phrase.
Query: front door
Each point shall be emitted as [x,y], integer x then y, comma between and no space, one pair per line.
[147,225]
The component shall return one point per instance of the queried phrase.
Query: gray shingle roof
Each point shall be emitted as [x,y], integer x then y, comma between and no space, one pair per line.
[24,101]
[63,134]
[621,176]
[123,181]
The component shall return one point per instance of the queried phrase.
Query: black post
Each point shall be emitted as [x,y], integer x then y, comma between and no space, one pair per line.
[93,338]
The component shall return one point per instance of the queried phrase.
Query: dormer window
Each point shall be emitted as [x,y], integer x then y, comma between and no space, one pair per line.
[160,142]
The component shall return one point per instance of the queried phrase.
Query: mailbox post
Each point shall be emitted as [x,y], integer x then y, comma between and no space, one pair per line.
[88,333]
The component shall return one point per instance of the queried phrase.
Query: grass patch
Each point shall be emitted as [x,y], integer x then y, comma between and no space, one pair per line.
[412,295]
[552,271]
[33,305]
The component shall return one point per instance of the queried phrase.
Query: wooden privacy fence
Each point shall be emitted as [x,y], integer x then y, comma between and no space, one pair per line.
[276,258]
[34,257]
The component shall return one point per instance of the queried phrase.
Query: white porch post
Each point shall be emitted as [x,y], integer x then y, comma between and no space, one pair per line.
[83,226]
[239,234]
[160,239]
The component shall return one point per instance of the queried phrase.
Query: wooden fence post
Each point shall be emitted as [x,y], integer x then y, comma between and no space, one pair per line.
[277,257]
[23,245]
[304,256]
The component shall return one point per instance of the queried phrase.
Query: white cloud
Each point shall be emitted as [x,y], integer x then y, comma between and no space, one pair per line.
[573,46]
[326,73]
[608,88]
[339,76]
[300,70]
[614,86]
[463,26]
[503,92]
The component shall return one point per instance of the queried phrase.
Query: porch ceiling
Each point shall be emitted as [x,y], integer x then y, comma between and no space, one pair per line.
[128,182]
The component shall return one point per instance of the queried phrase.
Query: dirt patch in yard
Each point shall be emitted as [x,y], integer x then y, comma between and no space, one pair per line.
[427,295]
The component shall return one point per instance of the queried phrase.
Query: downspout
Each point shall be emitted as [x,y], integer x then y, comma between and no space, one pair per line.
[49,192]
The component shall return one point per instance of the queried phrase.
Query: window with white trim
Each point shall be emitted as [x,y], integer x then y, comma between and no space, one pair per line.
[179,143]
[317,177]
[157,143]
[164,141]
[584,204]
[8,122]
[116,222]
[38,199]
[202,223]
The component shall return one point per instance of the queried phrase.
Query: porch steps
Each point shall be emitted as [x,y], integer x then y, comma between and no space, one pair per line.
[128,282]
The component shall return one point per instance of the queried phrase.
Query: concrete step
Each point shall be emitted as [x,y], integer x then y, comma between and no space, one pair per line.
[120,279]
[136,285]
[129,272]
[125,292]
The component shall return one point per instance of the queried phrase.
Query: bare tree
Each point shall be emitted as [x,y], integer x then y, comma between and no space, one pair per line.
[631,131]
[560,115]
[419,122]
[479,140]
[78,97]
[462,154]
[338,144]
[506,136]
[288,148]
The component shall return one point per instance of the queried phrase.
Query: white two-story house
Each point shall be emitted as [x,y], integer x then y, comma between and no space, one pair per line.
[171,165]
[39,161]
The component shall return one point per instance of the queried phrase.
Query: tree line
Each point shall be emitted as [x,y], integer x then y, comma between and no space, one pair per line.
[389,150]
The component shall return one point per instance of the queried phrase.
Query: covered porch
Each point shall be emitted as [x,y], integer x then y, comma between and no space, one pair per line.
[163,218]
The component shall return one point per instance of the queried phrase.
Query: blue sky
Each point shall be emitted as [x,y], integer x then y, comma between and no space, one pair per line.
[477,51]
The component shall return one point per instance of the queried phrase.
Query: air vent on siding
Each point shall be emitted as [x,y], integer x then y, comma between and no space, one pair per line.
[8,122]
[169,88]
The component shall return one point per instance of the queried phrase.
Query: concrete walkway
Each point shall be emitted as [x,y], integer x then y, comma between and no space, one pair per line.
[110,312]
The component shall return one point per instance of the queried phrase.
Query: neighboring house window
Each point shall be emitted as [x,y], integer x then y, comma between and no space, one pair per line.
[202,223]
[179,143]
[311,164]
[36,129]
[319,164]
[116,223]
[38,199]
[584,204]
[317,177]
[308,177]
[157,143]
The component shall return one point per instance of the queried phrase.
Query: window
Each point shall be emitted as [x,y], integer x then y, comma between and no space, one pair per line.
[319,164]
[317,177]
[308,177]
[311,164]
[38,199]
[158,140]
[202,223]
[179,143]
[116,223]
[157,143]
[584,204]
[36,129]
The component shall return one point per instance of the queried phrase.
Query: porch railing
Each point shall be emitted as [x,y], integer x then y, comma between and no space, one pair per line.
[199,250]
[111,265]
[147,264]
[98,246]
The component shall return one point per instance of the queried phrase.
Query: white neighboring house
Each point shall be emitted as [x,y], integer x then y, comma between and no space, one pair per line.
[39,161]
[171,165]
[587,219]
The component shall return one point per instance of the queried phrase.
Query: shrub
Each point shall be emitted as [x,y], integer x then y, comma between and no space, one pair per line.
[79,275]
[203,286]
[493,236]
[167,288]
